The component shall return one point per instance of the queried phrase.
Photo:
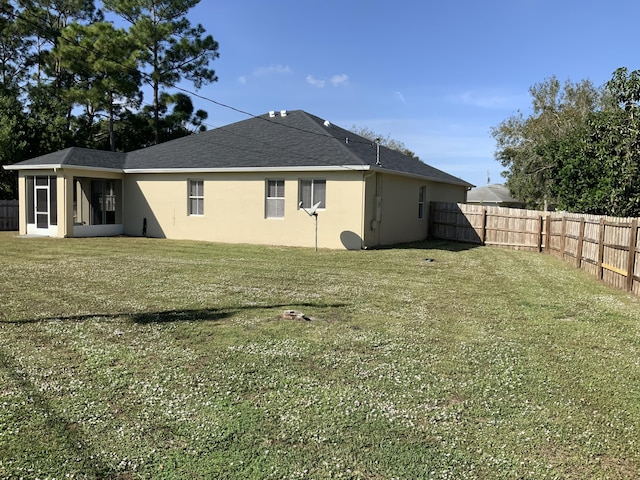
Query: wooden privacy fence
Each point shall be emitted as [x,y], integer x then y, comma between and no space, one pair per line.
[8,214]
[607,247]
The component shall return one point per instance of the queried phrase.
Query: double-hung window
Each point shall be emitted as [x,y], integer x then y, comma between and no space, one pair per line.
[274,204]
[196,197]
[421,195]
[312,192]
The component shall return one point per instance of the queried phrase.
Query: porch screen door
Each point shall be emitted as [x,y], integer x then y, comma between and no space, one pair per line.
[42,202]
[42,207]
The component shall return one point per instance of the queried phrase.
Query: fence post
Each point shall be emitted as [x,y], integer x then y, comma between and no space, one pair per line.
[539,233]
[601,248]
[631,261]
[547,237]
[580,242]
[562,236]
[483,238]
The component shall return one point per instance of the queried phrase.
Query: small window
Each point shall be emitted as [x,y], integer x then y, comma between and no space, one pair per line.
[312,192]
[196,197]
[274,205]
[421,195]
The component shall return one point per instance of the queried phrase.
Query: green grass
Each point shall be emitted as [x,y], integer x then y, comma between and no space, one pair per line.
[136,358]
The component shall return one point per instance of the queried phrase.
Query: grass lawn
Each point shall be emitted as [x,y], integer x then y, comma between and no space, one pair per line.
[131,358]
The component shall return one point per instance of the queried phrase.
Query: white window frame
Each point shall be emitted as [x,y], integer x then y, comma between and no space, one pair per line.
[197,197]
[304,203]
[274,205]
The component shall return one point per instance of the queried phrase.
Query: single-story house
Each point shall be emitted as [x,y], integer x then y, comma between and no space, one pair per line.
[495,195]
[254,181]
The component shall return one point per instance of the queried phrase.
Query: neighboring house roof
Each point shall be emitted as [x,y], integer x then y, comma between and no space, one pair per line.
[274,141]
[496,194]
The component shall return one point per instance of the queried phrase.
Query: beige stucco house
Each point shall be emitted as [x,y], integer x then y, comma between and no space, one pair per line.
[253,181]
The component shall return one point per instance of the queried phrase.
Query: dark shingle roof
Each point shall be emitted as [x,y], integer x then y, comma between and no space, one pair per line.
[296,139]
[80,157]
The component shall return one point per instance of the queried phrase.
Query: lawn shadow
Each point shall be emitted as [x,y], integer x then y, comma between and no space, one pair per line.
[176,315]
[214,315]
[433,244]
[168,316]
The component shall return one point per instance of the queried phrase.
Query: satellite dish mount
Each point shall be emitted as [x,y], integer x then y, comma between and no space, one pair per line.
[312,212]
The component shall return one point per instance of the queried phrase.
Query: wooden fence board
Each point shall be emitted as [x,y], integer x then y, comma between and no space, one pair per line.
[606,247]
[8,214]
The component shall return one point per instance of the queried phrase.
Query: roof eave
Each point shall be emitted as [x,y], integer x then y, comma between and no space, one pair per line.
[458,182]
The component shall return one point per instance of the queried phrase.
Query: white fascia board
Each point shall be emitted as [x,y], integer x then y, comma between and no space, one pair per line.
[249,169]
[48,166]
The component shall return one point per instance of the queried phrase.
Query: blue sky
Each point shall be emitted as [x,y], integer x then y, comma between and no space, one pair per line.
[435,75]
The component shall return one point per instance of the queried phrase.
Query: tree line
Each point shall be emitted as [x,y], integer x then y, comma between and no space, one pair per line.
[579,149]
[70,77]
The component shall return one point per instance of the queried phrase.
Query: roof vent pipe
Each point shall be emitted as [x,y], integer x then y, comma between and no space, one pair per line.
[283,113]
[377,140]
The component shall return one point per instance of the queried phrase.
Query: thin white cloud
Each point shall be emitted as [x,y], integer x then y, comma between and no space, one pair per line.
[340,79]
[272,70]
[315,82]
[400,96]
[337,80]
[242,79]
[489,100]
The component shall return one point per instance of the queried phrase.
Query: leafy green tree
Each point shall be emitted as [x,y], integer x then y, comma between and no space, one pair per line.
[384,140]
[47,121]
[530,148]
[13,141]
[50,111]
[169,46]
[14,49]
[614,145]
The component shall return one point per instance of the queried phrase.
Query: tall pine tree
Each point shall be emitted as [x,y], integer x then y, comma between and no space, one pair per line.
[170,48]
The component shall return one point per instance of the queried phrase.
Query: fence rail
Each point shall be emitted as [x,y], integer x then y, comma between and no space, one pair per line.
[607,247]
[8,214]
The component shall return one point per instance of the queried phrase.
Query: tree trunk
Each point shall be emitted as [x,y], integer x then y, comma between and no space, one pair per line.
[112,138]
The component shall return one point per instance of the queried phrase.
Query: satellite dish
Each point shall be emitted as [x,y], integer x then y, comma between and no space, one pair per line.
[311,211]
[314,208]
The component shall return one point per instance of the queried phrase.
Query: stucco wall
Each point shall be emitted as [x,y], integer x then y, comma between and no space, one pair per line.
[22,199]
[399,222]
[363,209]
[234,209]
